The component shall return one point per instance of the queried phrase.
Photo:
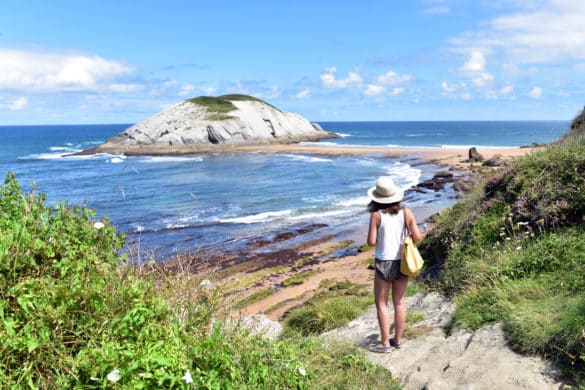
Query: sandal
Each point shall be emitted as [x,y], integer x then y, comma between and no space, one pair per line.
[395,345]
[380,348]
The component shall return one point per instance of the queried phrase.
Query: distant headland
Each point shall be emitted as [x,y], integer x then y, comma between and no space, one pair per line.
[212,124]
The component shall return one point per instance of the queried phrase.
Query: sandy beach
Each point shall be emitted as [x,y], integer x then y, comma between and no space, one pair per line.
[452,157]
[333,258]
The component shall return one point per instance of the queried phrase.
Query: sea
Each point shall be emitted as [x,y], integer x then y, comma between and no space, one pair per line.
[168,205]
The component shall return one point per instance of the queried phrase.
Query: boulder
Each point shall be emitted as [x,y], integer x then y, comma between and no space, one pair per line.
[496,161]
[474,155]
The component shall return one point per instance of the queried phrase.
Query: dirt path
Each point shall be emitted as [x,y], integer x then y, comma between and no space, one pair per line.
[432,359]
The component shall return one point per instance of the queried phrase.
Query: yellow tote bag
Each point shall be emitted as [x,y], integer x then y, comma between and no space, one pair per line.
[411,262]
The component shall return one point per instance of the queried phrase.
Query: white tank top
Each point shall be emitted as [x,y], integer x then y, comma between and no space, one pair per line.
[390,236]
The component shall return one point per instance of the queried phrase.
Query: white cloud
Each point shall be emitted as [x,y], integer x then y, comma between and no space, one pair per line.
[491,95]
[374,90]
[393,79]
[552,32]
[55,72]
[396,91]
[448,88]
[535,93]
[507,90]
[124,88]
[16,104]
[451,88]
[475,63]
[474,69]
[186,89]
[328,79]
[482,79]
[304,94]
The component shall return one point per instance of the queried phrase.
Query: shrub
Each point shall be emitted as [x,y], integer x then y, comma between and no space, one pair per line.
[74,314]
[513,251]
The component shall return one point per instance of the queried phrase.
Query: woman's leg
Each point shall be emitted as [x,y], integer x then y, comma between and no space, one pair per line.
[398,295]
[381,291]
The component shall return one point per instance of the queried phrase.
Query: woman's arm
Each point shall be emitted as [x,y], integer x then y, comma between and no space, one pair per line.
[373,231]
[412,226]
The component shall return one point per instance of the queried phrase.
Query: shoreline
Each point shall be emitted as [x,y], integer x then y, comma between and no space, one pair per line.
[439,155]
[336,257]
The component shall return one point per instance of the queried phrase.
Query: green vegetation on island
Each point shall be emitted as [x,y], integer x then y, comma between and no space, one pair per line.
[218,107]
[513,251]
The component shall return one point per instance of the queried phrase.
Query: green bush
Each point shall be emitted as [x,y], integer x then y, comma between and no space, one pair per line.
[74,314]
[513,251]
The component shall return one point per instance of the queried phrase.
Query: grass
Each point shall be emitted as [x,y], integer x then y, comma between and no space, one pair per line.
[74,313]
[255,297]
[218,107]
[339,304]
[513,251]
[298,278]
[253,278]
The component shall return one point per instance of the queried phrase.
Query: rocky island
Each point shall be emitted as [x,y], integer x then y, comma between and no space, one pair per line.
[212,124]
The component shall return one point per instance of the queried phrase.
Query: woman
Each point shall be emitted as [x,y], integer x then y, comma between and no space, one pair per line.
[388,221]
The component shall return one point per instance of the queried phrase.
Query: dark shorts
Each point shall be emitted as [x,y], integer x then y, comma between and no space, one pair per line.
[389,270]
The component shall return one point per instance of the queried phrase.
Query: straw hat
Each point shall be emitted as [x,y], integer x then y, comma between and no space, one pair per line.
[385,191]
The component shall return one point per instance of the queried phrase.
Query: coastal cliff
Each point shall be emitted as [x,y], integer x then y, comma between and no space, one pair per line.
[207,124]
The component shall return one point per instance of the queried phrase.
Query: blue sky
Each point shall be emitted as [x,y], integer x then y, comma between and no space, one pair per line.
[123,61]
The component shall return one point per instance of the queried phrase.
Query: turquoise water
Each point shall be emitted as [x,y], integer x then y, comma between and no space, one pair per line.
[171,204]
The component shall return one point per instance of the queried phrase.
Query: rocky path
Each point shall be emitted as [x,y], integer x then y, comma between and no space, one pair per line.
[431,359]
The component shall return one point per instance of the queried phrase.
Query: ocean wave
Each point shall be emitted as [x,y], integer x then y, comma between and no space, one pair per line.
[300,157]
[404,175]
[342,135]
[361,201]
[267,216]
[318,213]
[167,159]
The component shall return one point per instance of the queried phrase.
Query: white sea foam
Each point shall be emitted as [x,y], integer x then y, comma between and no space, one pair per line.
[361,201]
[300,157]
[116,160]
[404,175]
[59,148]
[167,159]
[258,218]
[342,135]
[319,214]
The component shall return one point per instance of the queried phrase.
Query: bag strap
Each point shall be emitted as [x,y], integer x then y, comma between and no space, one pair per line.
[406,230]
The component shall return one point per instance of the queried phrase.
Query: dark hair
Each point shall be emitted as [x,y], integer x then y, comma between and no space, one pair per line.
[391,208]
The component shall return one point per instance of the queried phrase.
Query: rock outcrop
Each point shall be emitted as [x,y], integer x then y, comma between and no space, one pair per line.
[431,358]
[211,124]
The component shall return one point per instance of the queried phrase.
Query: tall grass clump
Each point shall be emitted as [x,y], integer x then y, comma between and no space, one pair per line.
[329,309]
[75,314]
[513,252]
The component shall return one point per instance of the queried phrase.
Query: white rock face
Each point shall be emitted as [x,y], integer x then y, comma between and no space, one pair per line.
[187,123]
